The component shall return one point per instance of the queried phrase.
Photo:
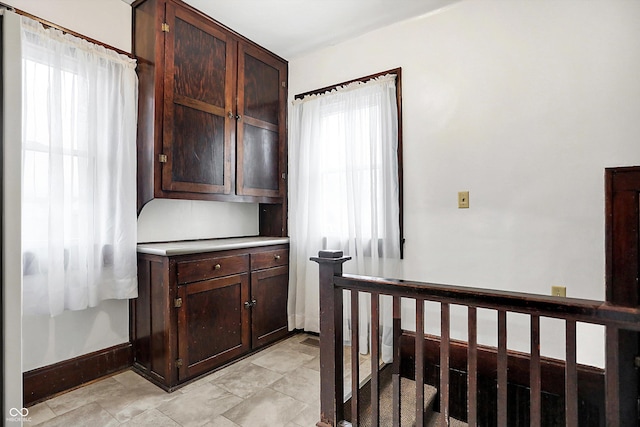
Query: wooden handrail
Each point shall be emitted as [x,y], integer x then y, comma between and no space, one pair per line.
[333,283]
[582,310]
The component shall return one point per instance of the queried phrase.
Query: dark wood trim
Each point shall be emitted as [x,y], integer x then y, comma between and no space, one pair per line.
[618,180]
[398,73]
[73,33]
[622,266]
[43,383]
[591,380]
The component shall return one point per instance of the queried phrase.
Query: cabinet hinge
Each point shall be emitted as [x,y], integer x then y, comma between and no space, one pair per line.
[165,27]
[284,84]
[162,158]
[284,176]
[177,303]
[178,363]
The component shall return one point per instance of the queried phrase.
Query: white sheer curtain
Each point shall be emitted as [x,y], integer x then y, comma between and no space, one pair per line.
[79,172]
[343,193]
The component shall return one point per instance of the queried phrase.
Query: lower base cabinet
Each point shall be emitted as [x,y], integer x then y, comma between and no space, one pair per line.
[197,312]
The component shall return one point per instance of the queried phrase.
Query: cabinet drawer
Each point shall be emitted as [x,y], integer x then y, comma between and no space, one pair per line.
[269,259]
[202,269]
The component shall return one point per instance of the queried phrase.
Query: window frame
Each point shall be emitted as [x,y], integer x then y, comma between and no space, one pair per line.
[398,73]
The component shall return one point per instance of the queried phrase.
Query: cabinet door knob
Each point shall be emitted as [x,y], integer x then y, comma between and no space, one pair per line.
[277,257]
[238,117]
[247,304]
[231,116]
[217,267]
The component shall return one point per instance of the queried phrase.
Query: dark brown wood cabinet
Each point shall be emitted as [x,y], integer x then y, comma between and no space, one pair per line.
[212,112]
[197,312]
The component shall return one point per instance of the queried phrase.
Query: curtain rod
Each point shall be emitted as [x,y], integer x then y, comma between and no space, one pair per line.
[66,30]
[396,71]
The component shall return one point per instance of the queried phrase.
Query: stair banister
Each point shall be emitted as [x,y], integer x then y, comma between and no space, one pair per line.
[331,352]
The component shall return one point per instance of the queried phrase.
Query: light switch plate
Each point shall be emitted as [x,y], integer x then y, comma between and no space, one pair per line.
[559,291]
[463,199]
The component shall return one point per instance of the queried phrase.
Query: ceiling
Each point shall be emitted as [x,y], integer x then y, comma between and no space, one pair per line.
[290,28]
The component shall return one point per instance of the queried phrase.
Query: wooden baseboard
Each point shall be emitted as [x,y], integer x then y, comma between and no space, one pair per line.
[48,381]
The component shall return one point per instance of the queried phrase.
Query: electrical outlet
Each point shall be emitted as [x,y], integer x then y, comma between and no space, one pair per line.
[463,199]
[559,291]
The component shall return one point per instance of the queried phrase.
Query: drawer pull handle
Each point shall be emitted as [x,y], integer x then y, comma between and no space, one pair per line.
[277,257]
[217,267]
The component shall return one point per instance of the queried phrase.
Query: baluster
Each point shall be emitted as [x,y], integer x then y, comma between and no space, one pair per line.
[444,363]
[355,362]
[419,362]
[571,377]
[375,359]
[502,368]
[472,369]
[397,331]
[612,376]
[535,386]
[331,342]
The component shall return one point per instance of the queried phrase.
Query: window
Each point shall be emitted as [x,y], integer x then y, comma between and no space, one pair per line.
[79,109]
[345,186]
[354,164]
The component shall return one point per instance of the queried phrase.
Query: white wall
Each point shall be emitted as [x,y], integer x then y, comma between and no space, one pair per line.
[49,340]
[164,220]
[523,104]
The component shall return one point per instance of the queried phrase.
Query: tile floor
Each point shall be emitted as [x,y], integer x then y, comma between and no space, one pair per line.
[279,386]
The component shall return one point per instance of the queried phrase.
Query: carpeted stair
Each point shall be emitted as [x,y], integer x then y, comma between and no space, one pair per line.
[407,404]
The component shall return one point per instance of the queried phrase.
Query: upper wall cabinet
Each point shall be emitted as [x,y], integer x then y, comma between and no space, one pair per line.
[212,121]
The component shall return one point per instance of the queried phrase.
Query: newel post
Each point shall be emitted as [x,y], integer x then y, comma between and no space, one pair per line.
[331,358]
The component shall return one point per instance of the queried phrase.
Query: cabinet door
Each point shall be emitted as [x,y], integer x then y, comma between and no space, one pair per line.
[269,290]
[213,323]
[199,86]
[261,127]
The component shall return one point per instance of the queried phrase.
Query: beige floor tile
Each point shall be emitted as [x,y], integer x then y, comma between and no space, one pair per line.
[300,345]
[282,360]
[221,422]
[143,392]
[200,406]
[40,413]
[151,417]
[136,401]
[88,415]
[246,382]
[266,408]
[130,379]
[313,364]
[302,384]
[85,395]
[309,416]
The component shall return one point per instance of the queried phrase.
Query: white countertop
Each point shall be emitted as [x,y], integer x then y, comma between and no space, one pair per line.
[210,245]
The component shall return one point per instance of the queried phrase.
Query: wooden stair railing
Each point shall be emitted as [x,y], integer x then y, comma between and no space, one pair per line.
[333,282]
